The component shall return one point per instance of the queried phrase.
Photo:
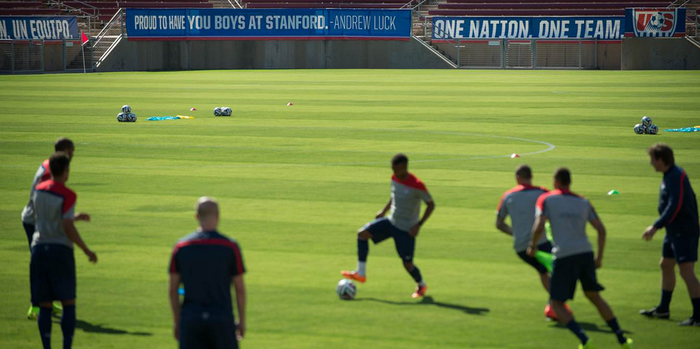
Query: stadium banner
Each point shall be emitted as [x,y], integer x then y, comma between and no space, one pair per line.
[601,28]
[267,24]
[38,28]
[655,23]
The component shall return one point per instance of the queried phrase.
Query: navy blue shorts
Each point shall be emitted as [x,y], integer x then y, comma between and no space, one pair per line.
[29,230]
[52,273]
[545,247]
[381,229]
[207,329]
[682,247]
[567,271]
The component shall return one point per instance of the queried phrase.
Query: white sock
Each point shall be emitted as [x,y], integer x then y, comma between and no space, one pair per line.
[421,283]
[361,268]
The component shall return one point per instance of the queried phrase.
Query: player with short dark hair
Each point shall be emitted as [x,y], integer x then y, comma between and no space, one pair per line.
[678,210]
[52,267]
[568,214]
[62,144]
[207,263]
[519,204]
[403,223]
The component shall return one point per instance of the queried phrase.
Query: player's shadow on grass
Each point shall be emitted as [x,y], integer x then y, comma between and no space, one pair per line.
[428,300]
[101,329]
[589,327]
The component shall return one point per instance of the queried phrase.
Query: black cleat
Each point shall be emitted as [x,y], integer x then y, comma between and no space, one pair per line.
[689,322]
[653,313]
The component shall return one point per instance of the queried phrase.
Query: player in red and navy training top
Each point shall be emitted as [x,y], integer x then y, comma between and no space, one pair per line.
[403,223]
[28,217]
[519,204]
[678,211]
[574,261]
[207,263]
[52,267]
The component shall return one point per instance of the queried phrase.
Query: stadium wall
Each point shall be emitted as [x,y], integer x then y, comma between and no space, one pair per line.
[311,54]
[659,54]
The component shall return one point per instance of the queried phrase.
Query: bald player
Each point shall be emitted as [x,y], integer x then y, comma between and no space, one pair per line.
[519,204]
[207,263]
[568,214]
[28,216]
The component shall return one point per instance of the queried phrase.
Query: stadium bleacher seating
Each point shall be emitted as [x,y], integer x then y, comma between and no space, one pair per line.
[107,8]
[26,8]
[539,7]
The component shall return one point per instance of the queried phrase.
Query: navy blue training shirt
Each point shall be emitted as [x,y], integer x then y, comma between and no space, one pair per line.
[207,263]
[677,204]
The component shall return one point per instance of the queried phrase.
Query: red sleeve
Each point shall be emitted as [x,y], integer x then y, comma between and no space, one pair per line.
[238,268]
[174,267]
[540,202]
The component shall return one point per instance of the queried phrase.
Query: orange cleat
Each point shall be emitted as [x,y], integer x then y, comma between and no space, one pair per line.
[549,313]
[353,275]
[420,291]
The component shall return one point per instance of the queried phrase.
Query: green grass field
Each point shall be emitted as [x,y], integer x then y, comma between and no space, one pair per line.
[296,182]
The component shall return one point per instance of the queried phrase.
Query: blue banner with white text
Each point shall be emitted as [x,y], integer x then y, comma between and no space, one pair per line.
[267,24]
[600,28]
[38,28]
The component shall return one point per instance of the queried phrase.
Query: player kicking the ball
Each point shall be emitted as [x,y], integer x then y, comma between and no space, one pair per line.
[568,214]
[403,223]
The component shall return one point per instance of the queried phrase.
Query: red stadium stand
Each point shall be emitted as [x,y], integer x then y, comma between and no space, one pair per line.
[538,7]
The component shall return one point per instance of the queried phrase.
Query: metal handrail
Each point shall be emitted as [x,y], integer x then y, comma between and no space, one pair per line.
[674,4]
[237,3]
[108,26]
[71,8]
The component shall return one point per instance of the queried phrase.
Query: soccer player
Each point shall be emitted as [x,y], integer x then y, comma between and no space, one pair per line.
[519,204]
[568,214]
[42,174]
[207,263]
[403,223]
[52,267]
[679,215]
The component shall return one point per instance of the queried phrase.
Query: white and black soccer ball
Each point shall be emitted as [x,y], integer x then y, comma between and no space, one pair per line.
[226,111]
[639,129]
[121,117]
[657,21]
[126,109]
[218,111]
[346,290]
[131,117]
[646,121]
[653,129]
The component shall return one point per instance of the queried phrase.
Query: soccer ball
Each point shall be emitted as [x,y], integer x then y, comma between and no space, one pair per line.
[657,21]
[226,111]
[653,129]
[121,117]
[639,129]
[126,109]
[131,117]
[646,121]
[218,111]
[346,290]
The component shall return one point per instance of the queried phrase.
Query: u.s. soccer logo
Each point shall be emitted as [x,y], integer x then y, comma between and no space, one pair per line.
[654,23]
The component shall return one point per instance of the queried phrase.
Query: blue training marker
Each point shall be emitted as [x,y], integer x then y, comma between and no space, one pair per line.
[181,291]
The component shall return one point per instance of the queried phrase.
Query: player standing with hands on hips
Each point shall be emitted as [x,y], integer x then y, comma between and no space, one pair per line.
[403,223]
[678,211]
